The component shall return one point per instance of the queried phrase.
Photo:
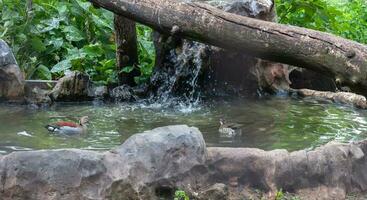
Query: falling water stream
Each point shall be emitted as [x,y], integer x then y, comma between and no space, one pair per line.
[187,65]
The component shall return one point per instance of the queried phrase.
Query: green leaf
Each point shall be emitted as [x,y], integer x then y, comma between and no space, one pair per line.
[108,64]
[93,50]
[127,69]
[61,66]
[48,25]
[75,53]
[84,5]
[37,44]
[56,42]
[73,34]
[99,21]
[43,72]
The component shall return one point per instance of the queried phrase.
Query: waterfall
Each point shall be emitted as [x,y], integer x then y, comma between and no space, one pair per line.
[179,82]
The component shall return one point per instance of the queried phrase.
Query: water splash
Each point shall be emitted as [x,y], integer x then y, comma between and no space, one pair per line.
[179,86]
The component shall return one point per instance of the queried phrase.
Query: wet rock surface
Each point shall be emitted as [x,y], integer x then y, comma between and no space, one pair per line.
[11,78]
[37,97]
[153,164]
[74,86]
[122,93]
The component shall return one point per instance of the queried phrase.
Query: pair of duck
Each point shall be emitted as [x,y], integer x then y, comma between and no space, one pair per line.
[70,128]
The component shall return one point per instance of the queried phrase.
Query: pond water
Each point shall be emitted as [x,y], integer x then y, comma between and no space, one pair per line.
[268,123]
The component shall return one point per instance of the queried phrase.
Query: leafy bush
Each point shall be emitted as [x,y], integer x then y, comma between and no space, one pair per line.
[181,195]
[344,18]
[50,36]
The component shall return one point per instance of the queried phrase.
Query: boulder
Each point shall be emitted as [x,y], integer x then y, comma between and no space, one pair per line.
[99,92]
[328,172]
[74,86]
[11,77]
[37,97]
[60,174]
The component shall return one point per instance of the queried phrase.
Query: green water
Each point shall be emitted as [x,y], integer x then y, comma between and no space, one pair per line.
[268,124]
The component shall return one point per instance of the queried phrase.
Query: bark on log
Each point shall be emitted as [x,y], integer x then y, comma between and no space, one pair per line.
[337,57]
[126,49]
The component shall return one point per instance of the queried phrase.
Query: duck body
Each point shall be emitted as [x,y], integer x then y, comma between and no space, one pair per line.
[69,128]
[229,130]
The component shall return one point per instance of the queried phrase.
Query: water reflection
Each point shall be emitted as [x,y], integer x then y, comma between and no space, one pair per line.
[268,123]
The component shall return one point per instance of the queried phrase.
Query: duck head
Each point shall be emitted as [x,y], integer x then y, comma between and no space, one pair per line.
[84,120]
[221,121]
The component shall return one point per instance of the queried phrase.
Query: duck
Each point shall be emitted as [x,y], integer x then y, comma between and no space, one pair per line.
[229,130]
[69,128]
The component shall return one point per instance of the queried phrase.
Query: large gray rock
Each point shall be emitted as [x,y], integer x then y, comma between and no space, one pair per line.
[61,174]
[328,172]
[153,164]
[11,78]
[6,55]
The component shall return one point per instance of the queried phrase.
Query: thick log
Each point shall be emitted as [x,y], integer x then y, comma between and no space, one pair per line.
[338,97]
[126,49]
[337,57]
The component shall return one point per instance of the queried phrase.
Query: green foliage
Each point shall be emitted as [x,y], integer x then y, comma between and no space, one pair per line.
[146,53]
[346,18]
[49,37]
[279,195]
[181,195]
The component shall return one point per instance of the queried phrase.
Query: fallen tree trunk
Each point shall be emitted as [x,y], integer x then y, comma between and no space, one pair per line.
[339,97]
[337,57]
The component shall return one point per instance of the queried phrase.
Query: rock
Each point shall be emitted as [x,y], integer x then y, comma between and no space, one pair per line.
[60,174]
[11,78]
[154,159]
[328,172]
[42,84]
[74,86]
[98,91]
[37,96]
[122,93]
[6,55]
[214,192]
[272,77]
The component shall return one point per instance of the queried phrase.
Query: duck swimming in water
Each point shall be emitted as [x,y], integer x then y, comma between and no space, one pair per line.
[69,128]
[229,129]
